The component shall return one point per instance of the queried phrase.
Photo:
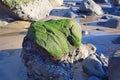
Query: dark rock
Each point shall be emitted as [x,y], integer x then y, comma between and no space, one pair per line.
[98,29]
[95,66]
[89,7]
[105,17]
[113,23]
[115,2]
[41,66]
[114,66]
[101,1]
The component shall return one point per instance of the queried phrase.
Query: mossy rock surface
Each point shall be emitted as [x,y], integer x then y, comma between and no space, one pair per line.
[58,37]
[12,3]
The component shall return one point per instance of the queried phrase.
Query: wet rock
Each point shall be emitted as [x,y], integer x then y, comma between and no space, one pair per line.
[27,9]
[94,78]
[94,66]
[56,3]
[113,23]
[115,2]
[89,7]
[114,66]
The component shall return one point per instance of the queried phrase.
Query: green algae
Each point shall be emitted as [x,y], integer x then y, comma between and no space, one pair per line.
[58,37]
[12,3]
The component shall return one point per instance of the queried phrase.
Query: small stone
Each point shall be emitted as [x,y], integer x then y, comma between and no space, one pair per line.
[84,33]
[105,17]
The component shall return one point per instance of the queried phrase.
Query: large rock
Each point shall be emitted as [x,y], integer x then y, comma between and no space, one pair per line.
[90,7]
[114,66]
[27,9]
[56,33]
[113,23]
[56,3]
[95,65]
[48,47]
[115,2]
[101,1]
[53,35]
[41,66]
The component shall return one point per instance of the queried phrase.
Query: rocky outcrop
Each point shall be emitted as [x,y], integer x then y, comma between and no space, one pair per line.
[114,66]
[115,2]
[56,3]
[27,9]
[90,7]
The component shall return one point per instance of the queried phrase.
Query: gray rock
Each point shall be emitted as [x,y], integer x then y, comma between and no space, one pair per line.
[41,66]
[115,2]
[90,7]
[114,66]
[93,66]
[94,78]
[113,23]
[32,10]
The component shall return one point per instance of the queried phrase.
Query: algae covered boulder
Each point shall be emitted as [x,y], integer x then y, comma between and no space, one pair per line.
[57,37]
[27,9]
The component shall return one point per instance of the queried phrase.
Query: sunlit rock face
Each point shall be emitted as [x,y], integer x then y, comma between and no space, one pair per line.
[56,3]
[89,7]
[28,9]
